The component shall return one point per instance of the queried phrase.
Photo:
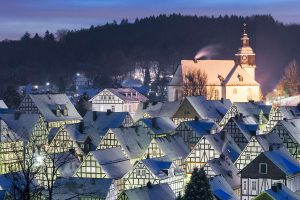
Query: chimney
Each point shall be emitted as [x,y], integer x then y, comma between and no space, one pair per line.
[17,115]
[285,119]
[195,60]
[222,100]
[108,112]
[94,115]
[271,147]
[81,127]
[196,118]
[274,188]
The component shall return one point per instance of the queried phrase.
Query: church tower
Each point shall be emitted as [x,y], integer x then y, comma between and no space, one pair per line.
[245,55]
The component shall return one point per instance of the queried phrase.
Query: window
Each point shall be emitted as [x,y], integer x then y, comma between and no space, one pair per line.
[234,91]
[263,168]
[253,186]
[129,109]
[248,157]
[244,185]
[113,108]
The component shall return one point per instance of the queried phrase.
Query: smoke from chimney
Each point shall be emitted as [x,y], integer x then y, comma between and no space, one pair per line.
[207,52]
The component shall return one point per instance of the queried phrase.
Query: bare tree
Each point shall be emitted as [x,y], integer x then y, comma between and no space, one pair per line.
[211,93]
[194,83]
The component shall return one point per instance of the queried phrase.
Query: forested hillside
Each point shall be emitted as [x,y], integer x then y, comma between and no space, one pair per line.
[110,49]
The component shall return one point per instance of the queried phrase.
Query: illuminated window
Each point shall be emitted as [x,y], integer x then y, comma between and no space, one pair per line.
[234,91]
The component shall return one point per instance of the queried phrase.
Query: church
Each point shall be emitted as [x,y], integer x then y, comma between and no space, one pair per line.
[228,79]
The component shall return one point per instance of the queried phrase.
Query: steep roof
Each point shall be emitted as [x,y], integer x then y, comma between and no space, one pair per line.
[248,130]
[213,69]
[113,162]
[173,146]
[221,189]
[152,192]
[134,141]
[159,125]
[284,160]
[169,108]
[23,125]
[293,127]
[47,102]
[126,94]
[152,108]
[209,109]
[268,140]
[238,73]
[3,105]
[282,192]
[251,110]
[97,128]
[75,187]
[201,127]
[225,167]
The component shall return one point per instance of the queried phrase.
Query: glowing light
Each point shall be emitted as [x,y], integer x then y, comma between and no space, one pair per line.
[47,84]
[38,160]
[36,87]
[78,74]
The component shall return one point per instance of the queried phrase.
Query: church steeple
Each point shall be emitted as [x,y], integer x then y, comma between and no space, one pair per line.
[245,54]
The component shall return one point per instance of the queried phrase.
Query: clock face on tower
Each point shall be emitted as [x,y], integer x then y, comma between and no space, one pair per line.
[244,59]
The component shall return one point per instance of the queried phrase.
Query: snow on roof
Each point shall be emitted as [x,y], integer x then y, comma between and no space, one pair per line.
[248,130]
[22,124]
[75,187]
[126,94]
[221,189]
[213,68]
[282,192]
[227,146]
[74,133]
[2,194]
[289,112]
[169,108]
[173,146]
[97,128]
[66,163]
[209,109]
[134,140]
[268,140]
[158,166]
[113,162]
[151,192]
[47,102]
[293,127]
[201,127]
[251,110]
[3,105]
[159,125]
[225,167]
[284,160]
[152,108]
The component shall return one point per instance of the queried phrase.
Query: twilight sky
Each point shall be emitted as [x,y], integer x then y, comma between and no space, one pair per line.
[19,16]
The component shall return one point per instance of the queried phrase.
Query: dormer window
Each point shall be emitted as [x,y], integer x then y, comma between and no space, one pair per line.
[263,168]
[63,109]
[240,77]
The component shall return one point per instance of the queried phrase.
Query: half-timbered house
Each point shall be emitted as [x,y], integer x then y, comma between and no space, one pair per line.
[192,131]
[147,110]
[96,124]
[149,192]
[240,131]
[157,127]
[134,141]
[69,137]
[270,167]
[156,171]
[256,145]
[210,147]
[288,131]
[117,100]
[198,106]
[249,112]
[105,163]
[56,109]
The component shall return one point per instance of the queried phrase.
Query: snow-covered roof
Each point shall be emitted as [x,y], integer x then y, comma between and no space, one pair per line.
[74,133]
[75,187]
[209,109]
[284,160]
[47,102]
[173,146]
[250,111]
[113,162]
[221,189]
[280,191]
[66,163]
[97,128]
[289,112]
[225,167]
[169,108]
[159,125]
[158,166]
[3,105]
[248,130]
[225,146]
[151,192]
[201,127]
[269,140]
[22,124]
[151,108]
[134,140]
[126,94]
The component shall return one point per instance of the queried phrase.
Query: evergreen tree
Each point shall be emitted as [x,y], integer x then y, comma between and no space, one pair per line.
[147,78]
[198,188]
[11,97]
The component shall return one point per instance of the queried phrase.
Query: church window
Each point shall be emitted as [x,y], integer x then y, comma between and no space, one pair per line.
[234,91]
[217,96]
